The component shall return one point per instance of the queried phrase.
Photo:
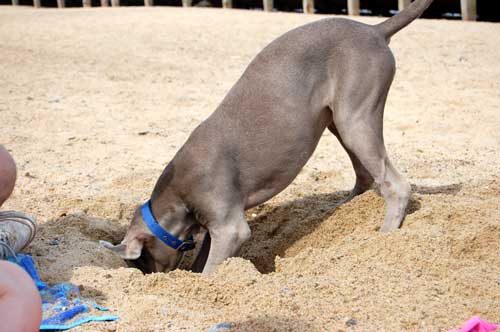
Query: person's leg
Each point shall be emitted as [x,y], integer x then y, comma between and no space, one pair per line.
[20,303]
[16,229]
[7,174]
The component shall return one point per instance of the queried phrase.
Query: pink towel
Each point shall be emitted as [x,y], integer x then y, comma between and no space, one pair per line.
[476,324]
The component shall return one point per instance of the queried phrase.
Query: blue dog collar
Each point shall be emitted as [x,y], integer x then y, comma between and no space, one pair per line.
[161,233]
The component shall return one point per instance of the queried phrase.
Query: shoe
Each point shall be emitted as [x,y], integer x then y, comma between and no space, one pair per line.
[17,230]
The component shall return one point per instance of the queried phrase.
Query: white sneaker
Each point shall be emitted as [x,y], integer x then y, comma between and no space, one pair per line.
[17,230]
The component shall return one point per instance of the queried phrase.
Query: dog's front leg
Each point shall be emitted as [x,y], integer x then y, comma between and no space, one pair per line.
[227,235]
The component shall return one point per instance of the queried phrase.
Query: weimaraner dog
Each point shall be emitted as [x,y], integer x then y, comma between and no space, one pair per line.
[334,73]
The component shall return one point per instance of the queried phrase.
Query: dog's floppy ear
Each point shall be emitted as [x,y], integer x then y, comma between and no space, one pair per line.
[128,249]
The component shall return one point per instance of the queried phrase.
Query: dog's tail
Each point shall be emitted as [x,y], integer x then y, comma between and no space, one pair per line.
[405,17]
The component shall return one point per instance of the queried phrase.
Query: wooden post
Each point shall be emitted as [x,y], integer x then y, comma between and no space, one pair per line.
[148,3]
[104,3]
[61,3]
[227,3]
[402,4]
[37,3]
[353,7]
[87,3]
[268,5]
[115,3]
[308,6]
[469,11]
[187,3]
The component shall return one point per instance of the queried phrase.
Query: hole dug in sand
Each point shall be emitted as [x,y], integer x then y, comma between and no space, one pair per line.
[316,221]
[72,241]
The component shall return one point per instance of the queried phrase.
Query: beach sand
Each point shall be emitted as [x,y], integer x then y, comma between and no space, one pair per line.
[95,102]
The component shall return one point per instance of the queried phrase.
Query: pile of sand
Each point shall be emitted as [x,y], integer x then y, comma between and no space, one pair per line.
[94,102]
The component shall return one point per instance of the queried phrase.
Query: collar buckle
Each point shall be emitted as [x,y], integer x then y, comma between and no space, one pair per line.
[187,245]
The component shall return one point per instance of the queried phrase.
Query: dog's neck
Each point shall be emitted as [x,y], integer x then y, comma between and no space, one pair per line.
[171,213]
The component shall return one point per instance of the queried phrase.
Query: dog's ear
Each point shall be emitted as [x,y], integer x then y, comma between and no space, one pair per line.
[128,249]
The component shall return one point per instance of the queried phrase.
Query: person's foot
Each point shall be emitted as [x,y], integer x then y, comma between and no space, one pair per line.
[17,230]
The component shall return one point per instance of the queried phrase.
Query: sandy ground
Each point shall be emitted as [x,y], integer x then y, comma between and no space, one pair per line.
[95,102]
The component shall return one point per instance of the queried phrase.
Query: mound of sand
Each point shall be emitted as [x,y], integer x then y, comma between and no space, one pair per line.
[94,103]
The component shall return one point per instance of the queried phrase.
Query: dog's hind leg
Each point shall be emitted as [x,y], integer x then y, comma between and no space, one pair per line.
[358,109]
[364,180]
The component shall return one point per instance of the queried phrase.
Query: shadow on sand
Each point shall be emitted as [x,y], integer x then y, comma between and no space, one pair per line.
[71,241]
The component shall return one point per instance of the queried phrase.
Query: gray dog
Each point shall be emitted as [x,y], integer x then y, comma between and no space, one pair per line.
[333,73]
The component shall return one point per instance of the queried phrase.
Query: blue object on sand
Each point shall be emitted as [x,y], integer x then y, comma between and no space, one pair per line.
[220,326]
[63,307]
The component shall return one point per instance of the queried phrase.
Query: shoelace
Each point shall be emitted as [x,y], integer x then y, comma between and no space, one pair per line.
[4,242]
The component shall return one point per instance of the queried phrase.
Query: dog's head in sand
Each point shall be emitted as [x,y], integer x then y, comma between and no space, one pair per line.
[148,245]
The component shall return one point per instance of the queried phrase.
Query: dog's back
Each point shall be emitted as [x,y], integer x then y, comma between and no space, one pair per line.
[277,111]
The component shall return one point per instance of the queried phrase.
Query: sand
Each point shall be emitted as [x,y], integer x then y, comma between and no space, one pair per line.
[95,102]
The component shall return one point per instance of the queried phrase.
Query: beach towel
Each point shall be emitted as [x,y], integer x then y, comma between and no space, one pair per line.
[63,306]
